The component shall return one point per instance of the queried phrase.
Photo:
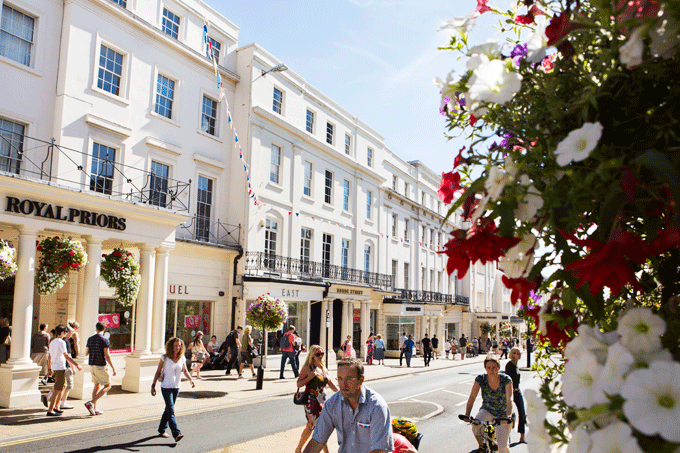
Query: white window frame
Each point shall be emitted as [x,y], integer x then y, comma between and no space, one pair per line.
[395,182]
[308,183]
[369,205]
[407,188]
[176,98]
[348,144]
[180,26]
[275,164]
[218,119]
[369,157]
[330,134]
[218,50]
[368,258]
[32,43]
[395,223]
[346,194]
[213,205]
[281,104]
[328,188]
[309,126]
[123,92]
[406,229]
[407,271]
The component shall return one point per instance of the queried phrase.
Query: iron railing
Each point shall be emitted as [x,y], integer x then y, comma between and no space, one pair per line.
[75,168]
[203,230]
[430,297]
[263,264]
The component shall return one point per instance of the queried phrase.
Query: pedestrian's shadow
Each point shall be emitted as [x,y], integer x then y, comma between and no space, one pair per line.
[134,445]
[39,419]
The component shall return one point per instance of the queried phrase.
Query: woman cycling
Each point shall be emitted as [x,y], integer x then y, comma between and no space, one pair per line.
[496,402]
[512,370]
[314,377]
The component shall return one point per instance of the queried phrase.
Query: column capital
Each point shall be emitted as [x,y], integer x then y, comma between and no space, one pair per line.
[94,240]
[162,251]
[25,231]
[145,248]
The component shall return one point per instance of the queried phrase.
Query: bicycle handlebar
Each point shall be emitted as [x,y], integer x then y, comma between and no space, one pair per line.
[496,421]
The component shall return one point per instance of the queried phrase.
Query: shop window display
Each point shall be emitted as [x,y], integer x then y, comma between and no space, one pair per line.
[119,322]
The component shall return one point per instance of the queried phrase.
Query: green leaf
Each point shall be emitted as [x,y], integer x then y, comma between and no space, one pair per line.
[664,169]
[569,299]
[507,212]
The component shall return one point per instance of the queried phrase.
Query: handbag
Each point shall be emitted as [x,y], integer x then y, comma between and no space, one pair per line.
[252,350]
[200,356]
[300,398]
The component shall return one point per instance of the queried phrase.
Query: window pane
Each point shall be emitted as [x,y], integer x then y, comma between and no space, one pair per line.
[165,93]
[170,23]
[214,49]
[110,70]
[11,145]
[329,133]
[209,116]
[308,179]
[159,184]
[101,172]
[310,121]
[204,208]
[122,3]
[348,144]
[278,100]
[345,196]
[16,35]
[328,195]
[369,157]
[275,170]
[369,202]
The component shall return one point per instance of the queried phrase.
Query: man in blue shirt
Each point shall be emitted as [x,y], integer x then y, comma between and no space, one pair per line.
[358,414]
[408,349]
[97,348]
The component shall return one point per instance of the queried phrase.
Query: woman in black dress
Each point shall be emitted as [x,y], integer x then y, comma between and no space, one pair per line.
[512,370]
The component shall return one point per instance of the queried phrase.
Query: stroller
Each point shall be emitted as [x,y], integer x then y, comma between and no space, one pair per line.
[470,351]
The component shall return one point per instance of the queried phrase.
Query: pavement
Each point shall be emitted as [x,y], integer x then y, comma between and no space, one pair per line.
[213,390]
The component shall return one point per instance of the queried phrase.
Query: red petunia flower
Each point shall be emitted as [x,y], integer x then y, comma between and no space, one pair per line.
[482,7]
[559,27]
[459,158]
[530,16]
[469,205]
[609,264]
[667,238]
[449,184]
[556,331]
[486,246]
[458,259]
[520,289]
[71,253]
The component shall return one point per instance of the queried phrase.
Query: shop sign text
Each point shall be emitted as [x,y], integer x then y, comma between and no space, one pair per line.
[350,291]
[72,215]
[178,289]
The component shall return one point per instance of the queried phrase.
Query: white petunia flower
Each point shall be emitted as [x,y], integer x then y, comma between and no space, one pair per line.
[475,60]
[511,169]
[538,42]
[580,385]
[538,438]
[529,204]
[460,24]
[492,48]
[580,441]
[591,339]
[536,408]
[653,400]
[492,82]
[615,438]
[630,53]
[445,85]
[645,358]
[578,145]
[619,363]
[517,262]
[496,182]
[641,330]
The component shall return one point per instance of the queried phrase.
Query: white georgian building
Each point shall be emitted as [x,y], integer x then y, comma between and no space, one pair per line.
[112,134]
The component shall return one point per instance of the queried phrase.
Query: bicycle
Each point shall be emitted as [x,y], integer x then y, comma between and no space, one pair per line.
[489,433]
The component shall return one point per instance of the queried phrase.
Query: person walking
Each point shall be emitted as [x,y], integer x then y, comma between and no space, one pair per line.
[370,349]
[360,416]
[475,346]
[402,339]
[512,370]
[39,349]
[314,376]
[199,355]
[447,347]
[172,364]
[59,359]
[463,346]
[74,339]
[233,344]
[504,348]
[379,354]
[427,349]
[288,352]
[347,349]
[97,350]
[435,346]
[408,349]
[246,346]
[454,348]
[297,349]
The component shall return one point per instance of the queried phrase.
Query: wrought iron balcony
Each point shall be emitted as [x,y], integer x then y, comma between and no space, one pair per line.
[98,172]
[201,229]
[264,264]
[429,297]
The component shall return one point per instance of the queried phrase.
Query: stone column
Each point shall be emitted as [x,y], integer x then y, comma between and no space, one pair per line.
[88,315]
[160,297]
[140,366]
[19,376]
[365,323]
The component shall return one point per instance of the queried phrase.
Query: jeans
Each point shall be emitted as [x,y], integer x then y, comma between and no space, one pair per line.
[170,396]
[233,360]
[401,355]
[521,413]
[408,357]
[285,355]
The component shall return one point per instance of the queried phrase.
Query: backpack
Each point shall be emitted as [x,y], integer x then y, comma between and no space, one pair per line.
[231,339]
[463,342]
[285,342]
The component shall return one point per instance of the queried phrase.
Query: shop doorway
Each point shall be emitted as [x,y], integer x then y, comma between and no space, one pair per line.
[337,324]
[315,322]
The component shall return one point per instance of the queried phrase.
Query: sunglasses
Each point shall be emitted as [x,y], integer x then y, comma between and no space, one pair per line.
[320,354]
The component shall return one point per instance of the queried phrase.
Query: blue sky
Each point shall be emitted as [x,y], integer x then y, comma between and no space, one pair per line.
[376,58]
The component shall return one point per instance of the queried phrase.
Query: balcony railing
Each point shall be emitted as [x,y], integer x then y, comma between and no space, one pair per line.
[430,297]
[81,170]
[216,233]
[263,264]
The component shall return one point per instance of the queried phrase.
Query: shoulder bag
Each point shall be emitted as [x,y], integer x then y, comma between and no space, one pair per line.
[300,398]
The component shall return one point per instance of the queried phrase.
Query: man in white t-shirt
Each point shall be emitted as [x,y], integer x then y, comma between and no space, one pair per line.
[402,339]
[59,357]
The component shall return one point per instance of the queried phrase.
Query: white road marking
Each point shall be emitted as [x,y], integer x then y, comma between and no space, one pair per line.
[461,403]
[456,393]
[424,393]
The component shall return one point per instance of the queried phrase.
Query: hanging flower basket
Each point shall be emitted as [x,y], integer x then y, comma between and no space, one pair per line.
[7,265]
[267,312]
[59,256]
[121,272]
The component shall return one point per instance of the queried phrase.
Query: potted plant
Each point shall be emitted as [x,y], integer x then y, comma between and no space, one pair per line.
[8,268]
[58,257]
[266,313]
[121,272]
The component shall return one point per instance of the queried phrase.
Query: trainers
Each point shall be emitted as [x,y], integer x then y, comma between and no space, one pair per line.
[58,411]
[43,398]
[240,376]
[98,412]
[43,381]
[90,407]
[53,414]
[65,406]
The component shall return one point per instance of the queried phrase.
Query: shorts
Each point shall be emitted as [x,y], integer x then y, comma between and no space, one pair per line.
[68,378]
[244,357]
[100,375]
[59,380]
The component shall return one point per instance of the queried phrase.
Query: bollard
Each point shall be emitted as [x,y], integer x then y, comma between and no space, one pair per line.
[260,377]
